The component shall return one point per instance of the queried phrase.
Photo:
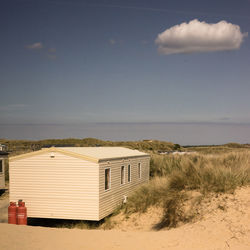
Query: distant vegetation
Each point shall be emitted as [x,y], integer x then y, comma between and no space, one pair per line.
[151,146]
[21,146]
[218,149]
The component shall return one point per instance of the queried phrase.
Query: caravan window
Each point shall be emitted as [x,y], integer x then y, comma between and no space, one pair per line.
[139,170]
[107,178]
[129,173]
[122,175]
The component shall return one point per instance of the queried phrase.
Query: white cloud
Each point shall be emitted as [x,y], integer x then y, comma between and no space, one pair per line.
[35,46]
[197,36]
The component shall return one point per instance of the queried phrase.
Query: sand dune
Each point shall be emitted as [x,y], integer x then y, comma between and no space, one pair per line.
[227,228]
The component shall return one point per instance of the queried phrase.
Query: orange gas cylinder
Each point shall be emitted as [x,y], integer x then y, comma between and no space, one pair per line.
[21,213]
[12,213]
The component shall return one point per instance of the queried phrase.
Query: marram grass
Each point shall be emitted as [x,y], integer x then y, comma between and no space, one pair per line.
[173,176]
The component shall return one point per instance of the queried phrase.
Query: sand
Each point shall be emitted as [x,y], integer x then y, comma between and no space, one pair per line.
[224,224]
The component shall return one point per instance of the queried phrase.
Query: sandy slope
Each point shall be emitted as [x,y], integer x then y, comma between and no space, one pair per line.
[225,225]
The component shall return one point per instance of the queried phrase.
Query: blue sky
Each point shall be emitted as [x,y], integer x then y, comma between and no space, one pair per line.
[67,64]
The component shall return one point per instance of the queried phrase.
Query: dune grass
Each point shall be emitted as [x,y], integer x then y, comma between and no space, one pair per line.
[219,173]
[174,176]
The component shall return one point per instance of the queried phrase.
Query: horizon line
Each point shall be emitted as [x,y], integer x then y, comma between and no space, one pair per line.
[130,123]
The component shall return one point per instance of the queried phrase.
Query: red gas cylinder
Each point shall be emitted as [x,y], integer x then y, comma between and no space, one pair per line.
[21,213]
[12,213]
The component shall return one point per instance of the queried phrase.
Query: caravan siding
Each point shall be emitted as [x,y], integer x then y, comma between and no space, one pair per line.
[110,199]
[55,185]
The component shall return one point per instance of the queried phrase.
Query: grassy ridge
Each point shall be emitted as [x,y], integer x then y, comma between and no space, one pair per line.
[176,176]
[153,146]
[21,146]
